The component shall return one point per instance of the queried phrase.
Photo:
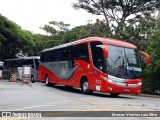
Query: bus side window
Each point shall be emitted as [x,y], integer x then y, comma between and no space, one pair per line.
[14,64]
[65,54]
[19,63]
[73,53]
[52,56]
[58,55]
[83,52]
[44,57]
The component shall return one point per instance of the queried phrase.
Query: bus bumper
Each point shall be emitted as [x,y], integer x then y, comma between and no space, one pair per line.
[122,89]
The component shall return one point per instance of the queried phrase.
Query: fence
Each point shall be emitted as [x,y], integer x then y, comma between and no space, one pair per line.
[5,74]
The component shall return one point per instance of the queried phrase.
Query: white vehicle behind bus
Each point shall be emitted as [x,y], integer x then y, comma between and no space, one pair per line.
[16,66]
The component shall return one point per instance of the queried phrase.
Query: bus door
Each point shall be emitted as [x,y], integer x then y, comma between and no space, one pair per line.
[35,68]
[98,64]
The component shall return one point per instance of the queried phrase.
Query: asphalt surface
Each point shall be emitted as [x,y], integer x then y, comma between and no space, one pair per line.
[38,97]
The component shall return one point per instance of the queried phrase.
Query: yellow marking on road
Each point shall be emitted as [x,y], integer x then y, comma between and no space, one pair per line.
[12,118]
[105,107]
[38,106]
[120,105]
[101,109]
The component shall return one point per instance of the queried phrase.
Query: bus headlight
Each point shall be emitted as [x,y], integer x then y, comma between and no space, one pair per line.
[106,79]
[139,84]
[135,85]
[115,80]
[117,83]
[109,80]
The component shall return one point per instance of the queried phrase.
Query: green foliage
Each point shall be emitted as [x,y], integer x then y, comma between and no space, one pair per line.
[12,38]
[117,11]
[152,72]
[138,31]
[143,31]
[55,27]
[64,35]
[97,29]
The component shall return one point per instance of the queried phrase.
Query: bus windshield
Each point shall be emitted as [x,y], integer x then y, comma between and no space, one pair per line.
[20,63]
[123,62]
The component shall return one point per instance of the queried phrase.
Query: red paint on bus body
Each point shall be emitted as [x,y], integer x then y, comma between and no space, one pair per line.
[95,77]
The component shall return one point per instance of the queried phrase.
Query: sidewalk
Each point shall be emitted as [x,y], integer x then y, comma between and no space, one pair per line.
[147,95]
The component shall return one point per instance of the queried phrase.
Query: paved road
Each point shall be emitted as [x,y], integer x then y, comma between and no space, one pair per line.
[38,97]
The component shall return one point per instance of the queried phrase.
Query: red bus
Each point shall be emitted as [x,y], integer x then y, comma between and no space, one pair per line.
[94,64]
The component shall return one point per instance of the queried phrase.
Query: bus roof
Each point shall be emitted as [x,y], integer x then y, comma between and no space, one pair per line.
[24,58]
[109,41]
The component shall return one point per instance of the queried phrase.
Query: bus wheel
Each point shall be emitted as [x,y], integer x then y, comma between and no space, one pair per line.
[114,94]
[32,79]
[84,87]
[47,80]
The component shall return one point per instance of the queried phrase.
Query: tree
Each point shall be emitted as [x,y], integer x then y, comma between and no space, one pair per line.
[56,31]
[117,11]
[138,31]
[12,39]
[38,44]
[151,82]
[60,32]
[55,27]
[90,30]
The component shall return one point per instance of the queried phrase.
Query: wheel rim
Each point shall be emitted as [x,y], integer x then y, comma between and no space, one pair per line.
[46,80]
[85,86]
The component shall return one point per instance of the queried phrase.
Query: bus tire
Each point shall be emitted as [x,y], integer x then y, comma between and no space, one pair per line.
[32,79]
[47,81]
[84,87]
[114,94]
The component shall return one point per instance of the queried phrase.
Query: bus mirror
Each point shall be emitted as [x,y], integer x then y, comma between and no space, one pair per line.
[146,56]
[105,50]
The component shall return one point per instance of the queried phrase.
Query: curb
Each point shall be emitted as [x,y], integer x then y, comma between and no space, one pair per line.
[2,80]
[147,95]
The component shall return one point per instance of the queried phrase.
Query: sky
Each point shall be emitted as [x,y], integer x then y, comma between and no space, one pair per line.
[32,14]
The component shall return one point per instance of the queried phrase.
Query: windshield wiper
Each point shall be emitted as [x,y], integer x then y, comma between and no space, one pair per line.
[117,60]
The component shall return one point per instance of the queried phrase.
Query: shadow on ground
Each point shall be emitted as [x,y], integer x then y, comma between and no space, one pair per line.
[95,93]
